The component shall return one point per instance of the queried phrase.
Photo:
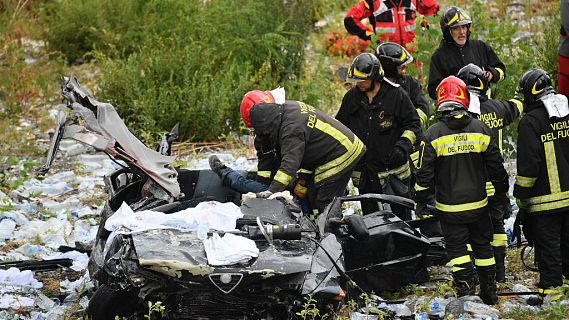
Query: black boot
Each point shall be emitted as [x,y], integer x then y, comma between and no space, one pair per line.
[500,256]
[487,277]
[464,282]
[216,165]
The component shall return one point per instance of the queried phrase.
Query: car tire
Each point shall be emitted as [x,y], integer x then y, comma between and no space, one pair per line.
[109,301]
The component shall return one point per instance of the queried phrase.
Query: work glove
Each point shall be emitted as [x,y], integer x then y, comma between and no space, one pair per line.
[423,211]
[500,206]
[400,153]
[522,220]
[367,35]
[263,194]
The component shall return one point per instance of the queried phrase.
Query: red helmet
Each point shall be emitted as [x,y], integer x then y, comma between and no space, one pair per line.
[452,91]
[250,99]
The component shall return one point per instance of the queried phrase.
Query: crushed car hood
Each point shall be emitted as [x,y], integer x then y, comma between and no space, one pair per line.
[172,251]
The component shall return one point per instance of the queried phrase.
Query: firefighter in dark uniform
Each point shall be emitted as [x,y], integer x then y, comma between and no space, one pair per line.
[457,50]
[304,137]
[460,155]
[381,114]
[394,60]
[496,114]
[542,181]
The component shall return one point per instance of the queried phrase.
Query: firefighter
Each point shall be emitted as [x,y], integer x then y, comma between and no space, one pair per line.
[392,20]
[381,114]
[457,50]
[496,114]
[542,181]
[563,50]
[461,153]
[394,60]
[299,136]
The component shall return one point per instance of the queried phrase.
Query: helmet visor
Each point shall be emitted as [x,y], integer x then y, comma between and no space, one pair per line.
[355,76]
[450,106]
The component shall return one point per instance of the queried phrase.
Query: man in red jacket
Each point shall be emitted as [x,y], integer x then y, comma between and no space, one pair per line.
[392,20]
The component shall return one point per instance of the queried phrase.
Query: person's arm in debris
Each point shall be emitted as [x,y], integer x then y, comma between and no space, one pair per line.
[427,7]
[353,19]
[495,66]
[292,145]
[529,160]
[419,101]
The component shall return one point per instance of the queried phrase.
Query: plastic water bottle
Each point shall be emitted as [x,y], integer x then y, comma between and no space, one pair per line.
[435,308]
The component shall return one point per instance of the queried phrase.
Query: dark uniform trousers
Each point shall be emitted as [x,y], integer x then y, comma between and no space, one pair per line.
[551,233]
[479,234]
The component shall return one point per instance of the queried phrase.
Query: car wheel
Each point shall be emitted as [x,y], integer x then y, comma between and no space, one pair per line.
[109,301]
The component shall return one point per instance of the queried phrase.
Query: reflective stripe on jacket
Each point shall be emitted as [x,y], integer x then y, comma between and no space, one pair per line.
[460,155]
[392,20]
[305,138]
[542,180]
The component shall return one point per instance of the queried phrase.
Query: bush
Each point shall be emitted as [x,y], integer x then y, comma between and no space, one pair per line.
[185,60]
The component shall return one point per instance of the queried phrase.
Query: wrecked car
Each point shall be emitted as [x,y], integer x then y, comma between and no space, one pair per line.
[336,258]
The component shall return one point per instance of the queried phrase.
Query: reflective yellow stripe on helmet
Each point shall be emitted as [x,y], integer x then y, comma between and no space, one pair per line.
[525,182]
[461,207]
[518,104]
[461,143]
[501,72]
[484,262]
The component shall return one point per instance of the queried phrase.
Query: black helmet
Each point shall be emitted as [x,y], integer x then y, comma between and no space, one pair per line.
[474,78]
[452,17]
[365,66]
[534,84]
[391,55]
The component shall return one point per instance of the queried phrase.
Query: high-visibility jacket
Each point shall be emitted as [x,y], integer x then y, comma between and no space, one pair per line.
[449,58]
[460,155]
[496,114]
[393,20]
[305,137]
[388,119]
[542,180]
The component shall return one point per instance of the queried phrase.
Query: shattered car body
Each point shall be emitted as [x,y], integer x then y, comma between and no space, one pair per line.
[296,257]
[170,265]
